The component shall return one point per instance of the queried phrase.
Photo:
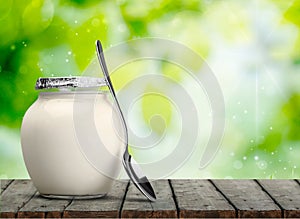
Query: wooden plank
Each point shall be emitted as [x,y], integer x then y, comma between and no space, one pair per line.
[15,197]
[286,193]
[137,206]
[199,198]
[248,198]
[108,206]
[4,184]
[39,207]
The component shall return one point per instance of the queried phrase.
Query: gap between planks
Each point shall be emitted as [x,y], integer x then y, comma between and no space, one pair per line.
[137,206]
[248,198]
[108,206]
[200,198]
[286,194]
[228,200]
[123,200]
[4,184]
[174,197]
[15,196]
[274,200]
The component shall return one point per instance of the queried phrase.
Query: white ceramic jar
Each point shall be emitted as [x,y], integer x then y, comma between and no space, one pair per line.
[72,139]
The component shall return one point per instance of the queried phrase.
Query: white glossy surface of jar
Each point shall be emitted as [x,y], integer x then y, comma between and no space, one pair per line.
[53,153]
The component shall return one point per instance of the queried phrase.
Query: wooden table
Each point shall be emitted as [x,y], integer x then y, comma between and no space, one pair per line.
[175,198]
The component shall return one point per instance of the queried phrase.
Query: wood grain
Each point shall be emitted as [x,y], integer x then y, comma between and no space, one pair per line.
[286,193]
[137,206]
[15,197]
[108,206]
[4,183]
[248,198]
[199,198]
[175,198]
[43,207]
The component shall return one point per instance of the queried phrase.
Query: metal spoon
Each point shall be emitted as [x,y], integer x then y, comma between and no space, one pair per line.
[132,168]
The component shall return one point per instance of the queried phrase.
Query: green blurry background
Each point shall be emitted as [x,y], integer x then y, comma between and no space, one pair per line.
[251,46]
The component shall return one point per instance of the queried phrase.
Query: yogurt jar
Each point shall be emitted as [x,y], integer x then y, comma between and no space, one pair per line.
[71,138]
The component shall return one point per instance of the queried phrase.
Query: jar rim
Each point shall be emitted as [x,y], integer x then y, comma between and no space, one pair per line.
[69,82]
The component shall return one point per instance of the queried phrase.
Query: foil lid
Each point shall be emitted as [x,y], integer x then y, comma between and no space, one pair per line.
[69,82]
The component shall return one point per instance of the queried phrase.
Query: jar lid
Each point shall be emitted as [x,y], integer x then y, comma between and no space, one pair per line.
[69,82]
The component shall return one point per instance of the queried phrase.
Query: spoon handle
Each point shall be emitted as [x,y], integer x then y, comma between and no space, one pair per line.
[110,86]
[104,67]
